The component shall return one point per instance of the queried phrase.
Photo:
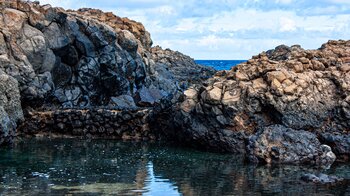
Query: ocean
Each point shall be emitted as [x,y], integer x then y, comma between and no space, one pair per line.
[220,64]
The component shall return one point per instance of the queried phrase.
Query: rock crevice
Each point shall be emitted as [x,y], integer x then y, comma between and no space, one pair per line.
[285,90]
[84,60]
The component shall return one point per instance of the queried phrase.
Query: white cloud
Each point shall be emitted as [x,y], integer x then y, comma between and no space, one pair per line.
[287,24]
[231,29]
[284,1]
[339,1]
[64,3]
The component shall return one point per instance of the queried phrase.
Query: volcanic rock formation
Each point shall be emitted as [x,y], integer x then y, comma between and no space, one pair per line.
[89,73]
[56,59]
[291,89]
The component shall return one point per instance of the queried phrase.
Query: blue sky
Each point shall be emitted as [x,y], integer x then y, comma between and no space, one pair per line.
[230,29]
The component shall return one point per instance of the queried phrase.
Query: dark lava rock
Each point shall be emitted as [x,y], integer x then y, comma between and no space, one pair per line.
[82,59]
[10,107]
[278,144]
[123,102]
[182,67]
[340,144]
[87,50]
[149,96]
[62,74]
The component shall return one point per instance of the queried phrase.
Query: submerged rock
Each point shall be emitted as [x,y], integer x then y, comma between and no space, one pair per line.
[321,178]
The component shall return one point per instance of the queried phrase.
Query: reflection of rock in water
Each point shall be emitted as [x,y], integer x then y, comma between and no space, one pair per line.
[208,176]
[101,167]
[100,188]
[141,173]
[196,174]
[71,162]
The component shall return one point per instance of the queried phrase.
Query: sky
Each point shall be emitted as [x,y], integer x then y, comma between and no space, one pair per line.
[230,29]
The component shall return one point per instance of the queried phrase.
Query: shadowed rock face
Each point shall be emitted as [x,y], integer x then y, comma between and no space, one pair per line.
[82,59]
[294,88]
[121,25]
[10,107]
[283,145]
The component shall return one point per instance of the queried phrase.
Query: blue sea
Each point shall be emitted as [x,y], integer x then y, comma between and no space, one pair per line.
[220,64]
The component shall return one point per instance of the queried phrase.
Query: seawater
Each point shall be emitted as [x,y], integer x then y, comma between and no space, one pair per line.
[220,64]
[108,167]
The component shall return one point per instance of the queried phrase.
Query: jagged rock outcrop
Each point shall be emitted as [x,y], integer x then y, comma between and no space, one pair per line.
[81,60]
[284,145]
[294,88]
[123,27]
[182,67]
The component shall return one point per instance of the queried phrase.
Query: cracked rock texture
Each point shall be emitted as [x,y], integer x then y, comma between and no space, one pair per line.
[10,107]
[284,145]
[298,90]
[59,59]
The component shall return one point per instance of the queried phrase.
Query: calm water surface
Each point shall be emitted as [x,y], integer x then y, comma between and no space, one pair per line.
[102,167]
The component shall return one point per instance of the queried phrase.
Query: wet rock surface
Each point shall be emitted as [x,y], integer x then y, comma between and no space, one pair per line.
[321,179]
[277,144]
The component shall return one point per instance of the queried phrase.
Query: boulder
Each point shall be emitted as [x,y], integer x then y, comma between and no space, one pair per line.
[123,102]
[55,37]
[35,48]
[277,144]
[13,19]
[128,41]
[62,74]
[340,144]
[148,96]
